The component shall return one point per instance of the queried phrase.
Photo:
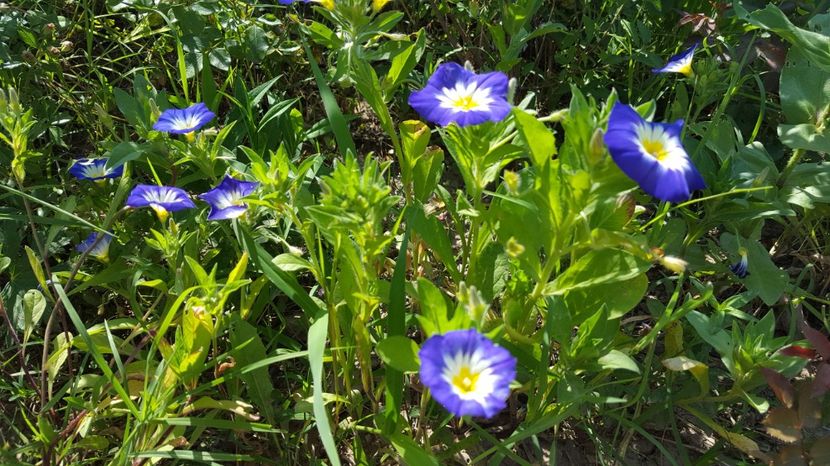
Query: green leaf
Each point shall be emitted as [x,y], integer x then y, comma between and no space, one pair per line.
[403,63]
[432,232]
[815,46]
[338,123]
[535,136]
[34,304]
[808,185]
[805,136]
[396,328]
[129,107]
[245,338]
[400,353]
[125,152]
[596,267]
[411,453]
[434,316]
[804,90]
[316,347]
[256,43]
[618,297]
[615,359]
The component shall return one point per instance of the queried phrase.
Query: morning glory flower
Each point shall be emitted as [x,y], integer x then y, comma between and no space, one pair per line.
[680,63]
[184,121]
[226,199]
[94,170]
[454,94]
[99,251]
[741,268]
[162,199]
[652,155]
[467,373]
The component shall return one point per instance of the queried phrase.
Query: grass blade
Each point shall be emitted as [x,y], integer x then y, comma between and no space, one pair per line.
[316,347]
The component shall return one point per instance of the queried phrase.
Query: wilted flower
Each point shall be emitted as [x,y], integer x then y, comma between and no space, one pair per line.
[99,251]
[454,94]
[673,263]
[652,155]
[226,199]
[680,63]
[94,170]
[467,373]
[741,268]
[162,199]
[176,121]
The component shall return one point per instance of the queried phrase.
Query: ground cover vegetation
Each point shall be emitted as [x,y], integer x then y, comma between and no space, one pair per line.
[414,232]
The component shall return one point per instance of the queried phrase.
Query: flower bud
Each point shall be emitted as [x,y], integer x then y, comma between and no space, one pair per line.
[675,264]
[512,181]
[514,248]
[66,45]
[596,148]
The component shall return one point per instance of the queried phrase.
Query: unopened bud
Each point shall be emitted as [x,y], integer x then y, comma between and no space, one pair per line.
[66,45]
[54,50]
[49,28]
[514,248]
[512,181]
[596,148]
[675,264]
[511,89]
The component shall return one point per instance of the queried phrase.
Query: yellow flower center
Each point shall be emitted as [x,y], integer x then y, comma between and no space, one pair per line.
[465,103]
[686,69]
[655,148]
[465,380]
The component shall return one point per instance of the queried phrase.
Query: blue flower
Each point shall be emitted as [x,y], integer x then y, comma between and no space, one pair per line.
[162,199]
[226,199]
[99,251]
[652,155]
[184,121]
[680,63]
[94,170]
[454,94]
[741,268]
[467,373]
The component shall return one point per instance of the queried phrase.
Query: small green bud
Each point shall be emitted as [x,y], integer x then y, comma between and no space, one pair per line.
[596,148]
[514,248]
[512,181]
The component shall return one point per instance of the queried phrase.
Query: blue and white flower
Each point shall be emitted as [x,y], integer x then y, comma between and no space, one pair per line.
[162,199]
[741,268]
[467,373]
[652,154]
[454,94]
[94,170]
[226,199]
[99,251]
[184,121]
[680,63]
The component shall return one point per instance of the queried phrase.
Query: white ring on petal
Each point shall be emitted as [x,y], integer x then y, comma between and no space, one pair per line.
[476,365]
[655,142]
[466,98]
